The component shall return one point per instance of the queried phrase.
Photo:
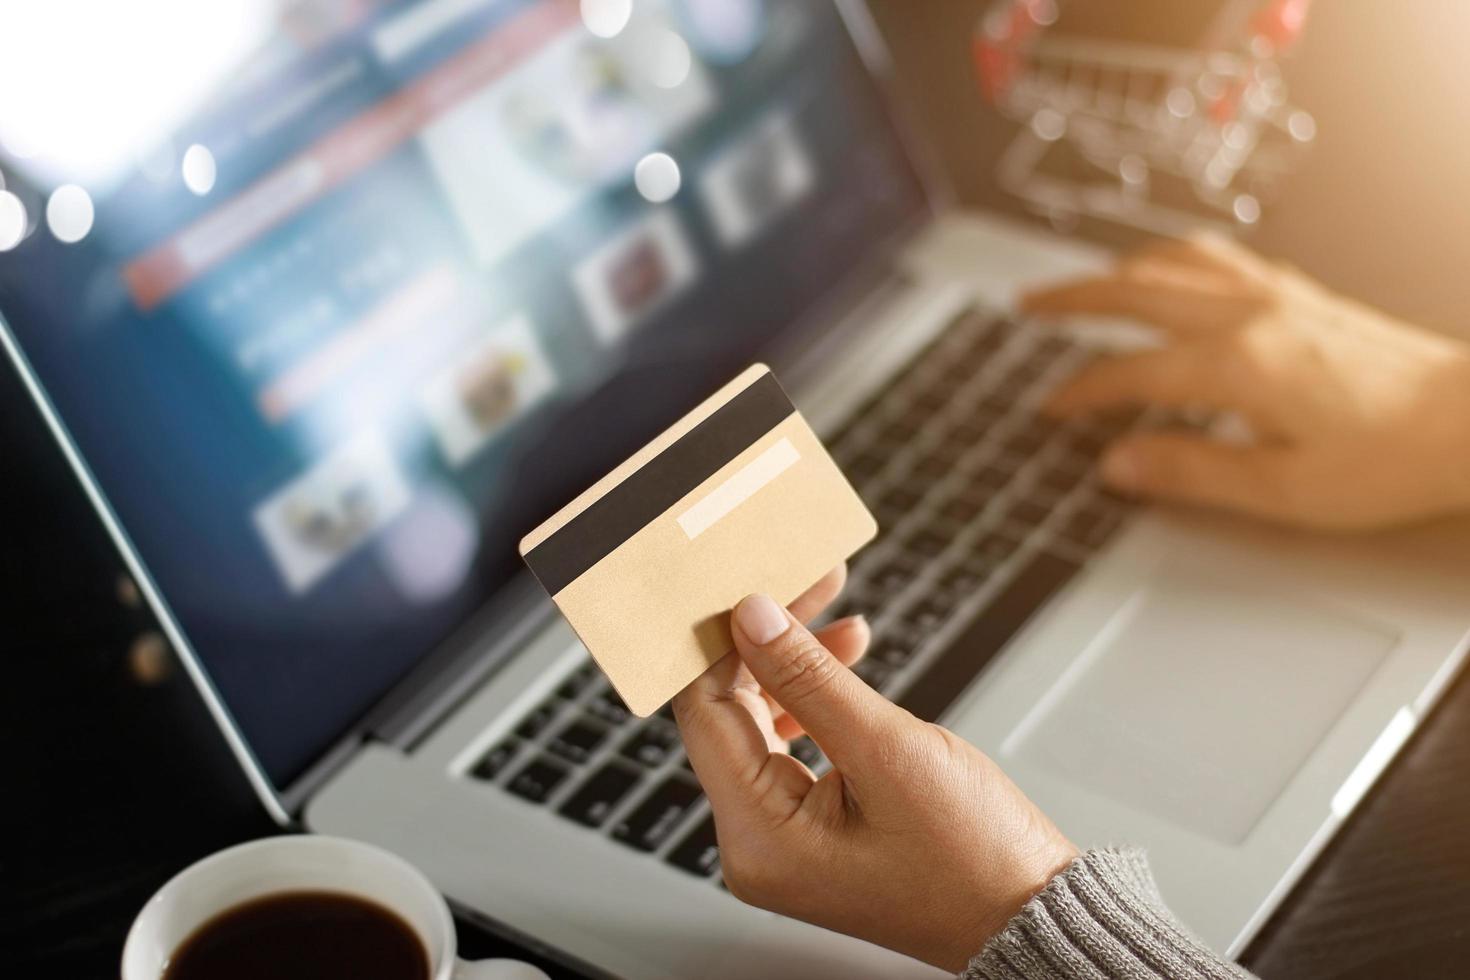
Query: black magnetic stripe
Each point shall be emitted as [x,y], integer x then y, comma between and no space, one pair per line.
[659,484]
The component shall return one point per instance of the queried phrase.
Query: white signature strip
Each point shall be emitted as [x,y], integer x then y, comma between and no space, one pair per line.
[744,484]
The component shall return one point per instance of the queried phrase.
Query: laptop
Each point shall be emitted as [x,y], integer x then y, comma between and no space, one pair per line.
[412,275]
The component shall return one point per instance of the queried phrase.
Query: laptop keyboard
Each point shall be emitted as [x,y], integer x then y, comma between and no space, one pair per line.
[986,506]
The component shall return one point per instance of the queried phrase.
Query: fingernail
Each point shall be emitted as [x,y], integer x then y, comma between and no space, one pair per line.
[760,619]
[1120,468]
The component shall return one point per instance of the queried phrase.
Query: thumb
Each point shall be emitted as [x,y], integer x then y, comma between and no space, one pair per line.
[1195,470]
[836,708]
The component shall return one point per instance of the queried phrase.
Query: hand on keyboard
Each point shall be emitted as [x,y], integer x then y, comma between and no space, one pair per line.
[914,840]
[1360,420]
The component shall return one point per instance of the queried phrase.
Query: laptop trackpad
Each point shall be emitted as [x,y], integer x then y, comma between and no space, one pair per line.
[1200,699]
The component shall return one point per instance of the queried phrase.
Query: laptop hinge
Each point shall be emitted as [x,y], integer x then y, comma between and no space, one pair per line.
[433,690]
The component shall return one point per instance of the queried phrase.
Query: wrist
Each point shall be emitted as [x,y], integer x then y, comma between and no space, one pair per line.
[1005,894]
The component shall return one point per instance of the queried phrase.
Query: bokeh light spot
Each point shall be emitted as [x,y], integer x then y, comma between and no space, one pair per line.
[669,60]
[606,18]
[1247,209]
[657,177]
[199,169]
[69,213]
[12,221]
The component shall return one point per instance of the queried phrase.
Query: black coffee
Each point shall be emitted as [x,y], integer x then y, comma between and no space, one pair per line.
[302,936]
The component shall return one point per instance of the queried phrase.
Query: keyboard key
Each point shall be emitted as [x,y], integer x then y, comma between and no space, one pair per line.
[651,745]
[970,429]
[964,508]
[1085,441]
[535,723]
[953,452]
[931,468]
[577,682]
[864,467]
[987,634]
[961,581]
[1025,442]
[964,327]
[698,853]
[577,741]
[928,402]
[1040,358]
[651,823]
[918,412]
[1058,481]
[838,610]
[957,373]
[891,652]
[1026,512]
[991,549]
[988,341]
[1011,388]
[926,542]
[993,405]
[894,574]
[948,379]
[492,762]
[989,479]
[805,751]
[897,503]
[1092,528]
[610,708]
[537,781]
[874,671]
[595,800]
[1024,372]
[929,614]
[901,431]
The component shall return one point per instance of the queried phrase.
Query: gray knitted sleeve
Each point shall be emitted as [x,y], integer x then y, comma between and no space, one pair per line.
[1100,919]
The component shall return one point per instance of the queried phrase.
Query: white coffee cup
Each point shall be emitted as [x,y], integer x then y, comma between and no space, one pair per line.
[302,863]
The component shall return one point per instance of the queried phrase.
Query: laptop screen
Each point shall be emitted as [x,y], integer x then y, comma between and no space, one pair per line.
[403,282]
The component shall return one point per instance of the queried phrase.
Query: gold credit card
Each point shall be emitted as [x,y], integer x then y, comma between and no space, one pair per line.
[738,496]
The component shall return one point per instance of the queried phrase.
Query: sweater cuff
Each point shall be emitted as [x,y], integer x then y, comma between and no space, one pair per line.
[1102,918]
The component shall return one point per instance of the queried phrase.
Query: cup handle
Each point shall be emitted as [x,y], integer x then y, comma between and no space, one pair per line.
[496,970]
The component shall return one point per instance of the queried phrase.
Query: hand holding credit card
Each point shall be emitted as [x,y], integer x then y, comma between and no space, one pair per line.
[738,496]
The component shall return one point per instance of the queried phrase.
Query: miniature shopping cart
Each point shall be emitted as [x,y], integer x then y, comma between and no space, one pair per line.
[1155,137]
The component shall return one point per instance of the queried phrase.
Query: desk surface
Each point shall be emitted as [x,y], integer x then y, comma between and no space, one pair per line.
[133,782]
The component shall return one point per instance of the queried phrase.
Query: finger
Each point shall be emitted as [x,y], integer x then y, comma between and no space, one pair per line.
[1166,295]
[1183,376]
[788,728]
[848,640]
[809,604]
[727,731]
[1210,253]
[844,715]
[1262,482]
